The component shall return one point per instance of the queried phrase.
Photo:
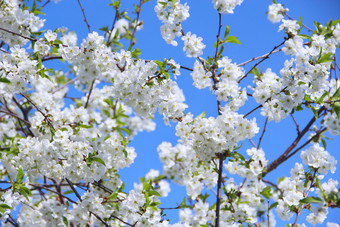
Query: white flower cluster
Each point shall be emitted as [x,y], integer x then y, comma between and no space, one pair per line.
[15,19]
[42,46]
[193,46]
[72,147]
[129,77]
[318,158]
[247,208]
[210,136]
[227,88]
[332,122]
[12,200]
[181,164]
[250,169]
[201,216]
[300,76]
[47,212]
[226,6]
[275,12]
[172,14]
[18,68]
[291,26]
[121,26]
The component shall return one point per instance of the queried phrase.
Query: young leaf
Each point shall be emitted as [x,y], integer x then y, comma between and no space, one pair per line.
[232,39]
[227,30]
[311,199]
[20,176]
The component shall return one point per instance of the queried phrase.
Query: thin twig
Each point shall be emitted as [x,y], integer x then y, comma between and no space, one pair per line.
[309,29]
[126,223]
[65,85]
[88,97]
[283,157]
[306,143]
[132,42]
[108,41]
[87,23]
[49,122]
[100,219]
[301,208]
[73,189]
[264,57]
[296,124]
[264,130]
[18,34]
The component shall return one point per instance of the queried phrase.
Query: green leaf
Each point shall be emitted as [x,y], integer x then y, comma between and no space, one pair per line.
[20,176]
[273,205]
[324,143]
[4,80]
[336,108]
[125,153]
[96,159]
[311,199]
[146,186]
[227,30]
[315,112]
[154,192]
[202,115]
[65,220]
[232,39]
[135,53]
[318,183]
[266,192]
[305,36]
[105,29]
[255,71]
[300,21]
[166,74]
[5,206]
[25,192]
[325,58]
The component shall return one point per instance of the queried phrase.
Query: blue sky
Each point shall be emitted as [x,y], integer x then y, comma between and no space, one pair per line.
[258,36]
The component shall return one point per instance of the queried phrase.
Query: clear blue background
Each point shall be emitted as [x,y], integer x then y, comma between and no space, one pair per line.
[258,36]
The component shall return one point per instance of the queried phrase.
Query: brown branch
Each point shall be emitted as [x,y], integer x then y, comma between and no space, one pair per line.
[49,122]
[264,130]
[264,57]
[73,189]
[283,157]
[50,190]
[219,183]
[303,25]
[306,143]
[259,106]
[115,217]
[301,208]
[88,97]
[87,23]
[65,85]
[18,34]
[108,42]
[51,58]
[100,219]
[296,124]
[132,42]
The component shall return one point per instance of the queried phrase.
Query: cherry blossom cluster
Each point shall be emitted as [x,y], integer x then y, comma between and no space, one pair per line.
[18,68]
[275,12]
[61,154]
[301,75]
[172,14]
[226,6]
[210,136]
[16,19]
[182,165]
